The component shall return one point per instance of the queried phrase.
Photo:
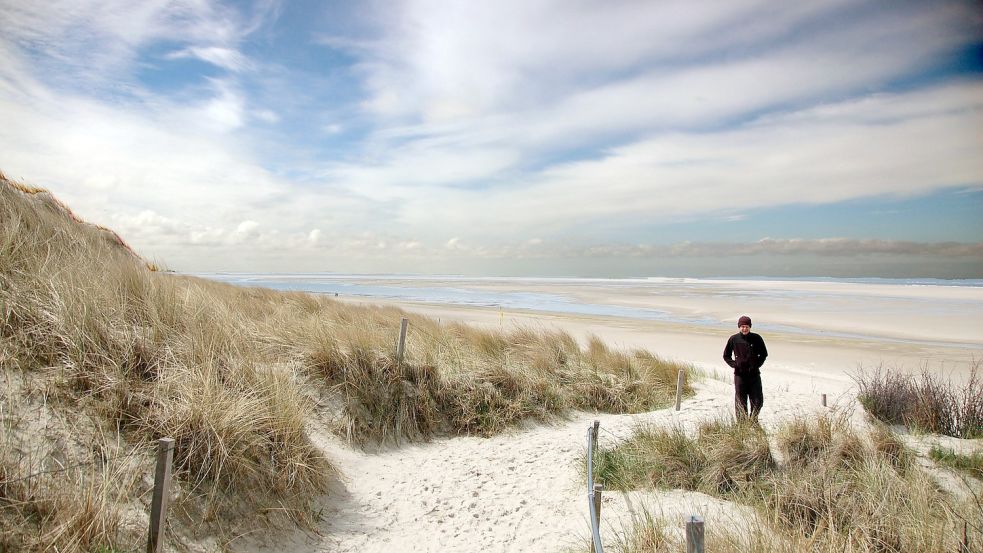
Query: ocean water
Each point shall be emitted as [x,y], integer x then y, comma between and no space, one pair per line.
[896,299]
[449,290]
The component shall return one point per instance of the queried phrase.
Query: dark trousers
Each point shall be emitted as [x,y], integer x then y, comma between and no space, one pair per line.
[747,389]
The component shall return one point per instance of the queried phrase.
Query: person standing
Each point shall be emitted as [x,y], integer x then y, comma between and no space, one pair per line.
[745,352]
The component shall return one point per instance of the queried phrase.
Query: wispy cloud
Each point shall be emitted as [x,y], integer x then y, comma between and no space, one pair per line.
[225,58]
[421,129]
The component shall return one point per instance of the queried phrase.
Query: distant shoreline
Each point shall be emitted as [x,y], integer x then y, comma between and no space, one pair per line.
[924,315]
[899,281]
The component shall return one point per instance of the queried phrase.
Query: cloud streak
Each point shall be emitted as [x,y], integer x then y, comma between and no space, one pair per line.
[422,130]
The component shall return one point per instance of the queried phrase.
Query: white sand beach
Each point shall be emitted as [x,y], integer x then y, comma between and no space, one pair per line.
[525,490]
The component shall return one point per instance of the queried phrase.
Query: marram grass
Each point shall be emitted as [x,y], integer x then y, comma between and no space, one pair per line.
[234,375]
[836,490]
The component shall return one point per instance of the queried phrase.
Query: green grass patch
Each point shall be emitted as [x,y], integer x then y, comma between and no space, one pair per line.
[971,464]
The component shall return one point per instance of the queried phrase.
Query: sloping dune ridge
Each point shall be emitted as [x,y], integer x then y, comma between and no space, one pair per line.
[298,429]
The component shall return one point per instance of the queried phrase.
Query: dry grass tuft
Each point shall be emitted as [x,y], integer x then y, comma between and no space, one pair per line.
[836,491]
[726,458]
[230,373]
[924,402]
[459,379]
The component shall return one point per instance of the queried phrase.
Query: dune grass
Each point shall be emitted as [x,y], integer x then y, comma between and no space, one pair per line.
[724,459]
[924,402]
[971,464]
[234,375]
[836,490]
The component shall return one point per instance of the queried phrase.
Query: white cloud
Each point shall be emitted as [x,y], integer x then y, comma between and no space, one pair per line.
[267,116]
[885,145]
[247,227]
[226,110]
[89,40]
[487,122]
[226,58]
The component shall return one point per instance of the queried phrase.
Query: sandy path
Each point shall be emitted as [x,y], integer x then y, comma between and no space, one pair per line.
[522,491]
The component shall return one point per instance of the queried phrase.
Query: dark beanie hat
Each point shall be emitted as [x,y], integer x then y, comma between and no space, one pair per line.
[744,320]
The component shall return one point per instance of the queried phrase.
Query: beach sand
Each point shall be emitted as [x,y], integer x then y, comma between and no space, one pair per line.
[525,490]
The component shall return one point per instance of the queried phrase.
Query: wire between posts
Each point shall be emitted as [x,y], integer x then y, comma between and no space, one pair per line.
[68,468]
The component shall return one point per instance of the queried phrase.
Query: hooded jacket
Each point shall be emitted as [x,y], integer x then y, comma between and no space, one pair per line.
[745,354]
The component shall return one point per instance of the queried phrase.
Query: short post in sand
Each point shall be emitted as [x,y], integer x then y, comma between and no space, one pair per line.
[162,486]
[824,400]
[679,388]
[694,534]
[594,429]
[593,490]
[598,488]
[403,323]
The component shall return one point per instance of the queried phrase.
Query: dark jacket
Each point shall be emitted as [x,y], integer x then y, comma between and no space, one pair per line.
[745,354]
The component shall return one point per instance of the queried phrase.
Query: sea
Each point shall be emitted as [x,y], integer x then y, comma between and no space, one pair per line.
[896,298]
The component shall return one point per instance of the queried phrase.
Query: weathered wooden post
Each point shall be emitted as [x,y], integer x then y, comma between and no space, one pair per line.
[162,487]
[694,534]
[824,400]
[403,323]
[593,490]
[598,488]
[597,425]
[679,388]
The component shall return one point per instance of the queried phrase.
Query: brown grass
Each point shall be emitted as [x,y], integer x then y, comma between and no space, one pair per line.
[837,490]
[924,402]
[235,374]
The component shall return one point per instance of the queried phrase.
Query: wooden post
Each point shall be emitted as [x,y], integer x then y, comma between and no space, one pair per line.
[597,425]
[162,486]
[679,389]
[964,546]
[694,534]
[598,488]
[824,400]
[403,323]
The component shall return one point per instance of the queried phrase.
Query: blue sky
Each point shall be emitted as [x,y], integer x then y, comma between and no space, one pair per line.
[509,137]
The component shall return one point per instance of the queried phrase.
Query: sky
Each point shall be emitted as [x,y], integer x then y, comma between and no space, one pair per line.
[515,137]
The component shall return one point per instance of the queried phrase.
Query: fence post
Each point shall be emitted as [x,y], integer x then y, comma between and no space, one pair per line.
[403,323]
[593,490]
[679,389]
[162,486]
[824,400]
[694,534]
[597,425]
[598,488]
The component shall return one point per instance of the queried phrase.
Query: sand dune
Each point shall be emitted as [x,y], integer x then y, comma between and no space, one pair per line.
[524,490]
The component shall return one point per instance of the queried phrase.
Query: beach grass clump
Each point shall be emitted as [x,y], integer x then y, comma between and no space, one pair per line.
[652,457]
[56,497]
[235,374]
[726,457]
[151,354]
[968,463]
[924,402]
[78,510]
[836,489]
[455,378]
